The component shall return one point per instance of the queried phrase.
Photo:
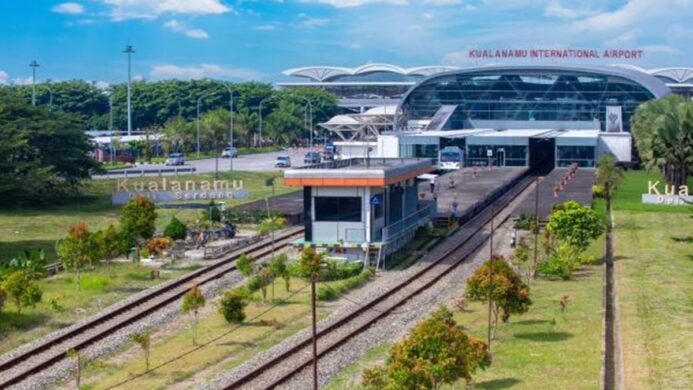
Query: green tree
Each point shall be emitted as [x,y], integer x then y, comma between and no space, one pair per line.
[496,280]
[43,154]
[609,176]
[279,270]
[193,301]
[175,229]
[214,127]
[271,225]
[232,306]
[436,352]
[79,249]
[137,221]
[22,291]
[575,225]
[176,134]
[143,339]
[33,263]
[245,265]
[110,244]
[311,262]
[663,133]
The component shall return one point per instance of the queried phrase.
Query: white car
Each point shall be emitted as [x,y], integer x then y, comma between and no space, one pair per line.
[175,159]
[229,151]
[283,162]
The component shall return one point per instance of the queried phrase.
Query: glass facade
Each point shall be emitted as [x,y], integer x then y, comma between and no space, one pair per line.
[419,151]
[526,94]
[584,156]
[513,155]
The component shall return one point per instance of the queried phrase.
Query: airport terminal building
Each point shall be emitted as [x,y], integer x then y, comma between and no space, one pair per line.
[508,115]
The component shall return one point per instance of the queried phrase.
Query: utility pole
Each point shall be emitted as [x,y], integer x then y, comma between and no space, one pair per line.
[536,226]
[313,280]
[490,278]
[33,66]
[129,50]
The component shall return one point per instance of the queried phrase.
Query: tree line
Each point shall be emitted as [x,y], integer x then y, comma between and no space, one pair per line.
[173,104]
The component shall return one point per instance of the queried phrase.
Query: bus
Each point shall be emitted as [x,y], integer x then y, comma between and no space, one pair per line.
[451,158]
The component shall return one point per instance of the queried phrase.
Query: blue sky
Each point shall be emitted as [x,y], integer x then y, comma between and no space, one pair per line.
[257,39]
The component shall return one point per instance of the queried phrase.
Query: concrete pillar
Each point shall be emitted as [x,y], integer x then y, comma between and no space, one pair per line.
[367,212]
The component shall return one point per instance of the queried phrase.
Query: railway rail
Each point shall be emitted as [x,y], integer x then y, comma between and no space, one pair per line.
[16,368]
[284,366]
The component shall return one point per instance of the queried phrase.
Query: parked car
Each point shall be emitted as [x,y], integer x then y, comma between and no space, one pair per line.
[229,151]
[175,159]
[282,162]
[312,158]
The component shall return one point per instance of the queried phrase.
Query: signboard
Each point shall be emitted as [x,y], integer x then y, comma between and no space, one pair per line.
[614,119]
[669,195]
[377,199]
[556,53]
[165,190]
[489,152]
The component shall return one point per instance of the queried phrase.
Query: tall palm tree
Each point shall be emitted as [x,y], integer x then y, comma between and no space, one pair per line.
[663,132]
[609,176]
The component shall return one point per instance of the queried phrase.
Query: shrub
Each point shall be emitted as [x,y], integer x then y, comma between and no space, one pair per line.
[326,293]
[232,306]
[555,267]
[22,290]
[253,284]
[176,229]
[94,283]
[524,221]
[158,245]
[331,271]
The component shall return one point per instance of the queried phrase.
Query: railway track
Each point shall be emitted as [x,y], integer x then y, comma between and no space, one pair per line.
[17,368]
[284,366]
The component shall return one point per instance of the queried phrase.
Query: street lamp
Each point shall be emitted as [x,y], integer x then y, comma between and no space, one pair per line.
[33,66]
[129,50]
[260,109]
[309,103]
[198,122]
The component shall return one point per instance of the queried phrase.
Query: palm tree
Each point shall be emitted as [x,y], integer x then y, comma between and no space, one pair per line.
[270,225]
[609,176]
[663,132]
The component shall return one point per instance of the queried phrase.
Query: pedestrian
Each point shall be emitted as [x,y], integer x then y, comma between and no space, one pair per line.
[433,185]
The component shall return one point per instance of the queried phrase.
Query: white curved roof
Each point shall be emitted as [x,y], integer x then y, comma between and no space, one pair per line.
[322,73]
[679,74]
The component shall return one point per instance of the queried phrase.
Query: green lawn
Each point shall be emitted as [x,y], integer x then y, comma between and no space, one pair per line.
[654,276]
[63,304]
[23,228]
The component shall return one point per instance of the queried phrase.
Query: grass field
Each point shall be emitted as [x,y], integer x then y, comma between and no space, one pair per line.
[226,345]
[39,227]
[63,304]
[654,276]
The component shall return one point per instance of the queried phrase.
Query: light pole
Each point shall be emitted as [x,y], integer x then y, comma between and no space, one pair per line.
[33,66]
[129,50]
[260,109]
[309,103]
[198,122]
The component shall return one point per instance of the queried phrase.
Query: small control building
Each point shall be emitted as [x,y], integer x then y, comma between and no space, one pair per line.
[362,209]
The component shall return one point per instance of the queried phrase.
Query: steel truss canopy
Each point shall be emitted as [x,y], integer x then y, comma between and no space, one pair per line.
[328,73]
[362,127]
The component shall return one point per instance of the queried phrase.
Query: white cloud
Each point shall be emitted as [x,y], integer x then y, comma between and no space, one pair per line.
[68,8]
[355,3]
[265,27]
[180,27]
[314,22]
[150,9]
[636,12]
[3,77]
[201,71]
[22,80]
[102,85]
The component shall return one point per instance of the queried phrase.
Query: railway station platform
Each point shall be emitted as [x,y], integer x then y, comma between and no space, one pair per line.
[467,190]
[578,189]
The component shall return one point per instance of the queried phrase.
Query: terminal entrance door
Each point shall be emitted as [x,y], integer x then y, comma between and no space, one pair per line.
[500,157]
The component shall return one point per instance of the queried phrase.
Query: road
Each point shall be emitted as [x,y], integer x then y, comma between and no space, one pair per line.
[247,162]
